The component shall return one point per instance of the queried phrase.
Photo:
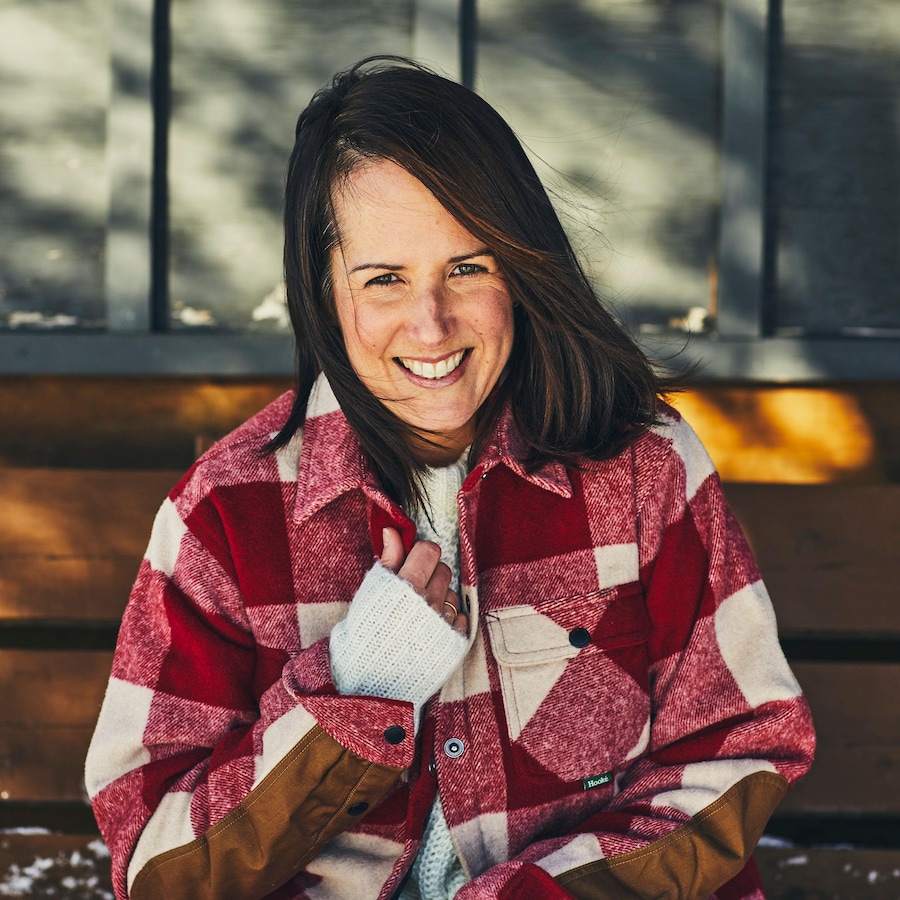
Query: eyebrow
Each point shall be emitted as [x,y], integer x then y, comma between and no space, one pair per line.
[481,251]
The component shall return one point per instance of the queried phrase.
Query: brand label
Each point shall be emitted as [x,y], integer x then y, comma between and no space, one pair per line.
[597,780]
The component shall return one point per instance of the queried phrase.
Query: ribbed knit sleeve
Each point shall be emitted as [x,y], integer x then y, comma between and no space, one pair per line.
[392,644]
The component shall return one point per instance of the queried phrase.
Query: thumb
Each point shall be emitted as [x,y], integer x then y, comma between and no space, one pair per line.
[393,554]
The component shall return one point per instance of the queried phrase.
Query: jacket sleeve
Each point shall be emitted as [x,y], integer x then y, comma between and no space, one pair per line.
[730,729]
[219,767]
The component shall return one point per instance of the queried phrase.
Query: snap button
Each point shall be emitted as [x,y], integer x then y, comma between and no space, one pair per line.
[579,637]
[357,809]
[484,474]
[454,748]
[395,734]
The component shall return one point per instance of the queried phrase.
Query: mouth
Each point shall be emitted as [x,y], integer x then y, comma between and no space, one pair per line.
[433,371]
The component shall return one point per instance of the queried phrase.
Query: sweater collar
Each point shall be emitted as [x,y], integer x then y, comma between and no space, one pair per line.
[332,462]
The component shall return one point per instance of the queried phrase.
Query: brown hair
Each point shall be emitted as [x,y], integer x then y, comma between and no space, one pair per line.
[577,383]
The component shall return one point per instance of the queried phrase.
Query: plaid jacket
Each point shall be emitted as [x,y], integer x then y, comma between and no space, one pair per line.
[623,724]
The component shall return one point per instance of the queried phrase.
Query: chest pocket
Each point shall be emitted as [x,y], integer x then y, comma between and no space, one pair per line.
[573,675]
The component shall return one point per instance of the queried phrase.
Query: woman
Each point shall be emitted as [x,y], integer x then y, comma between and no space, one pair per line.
[559,677]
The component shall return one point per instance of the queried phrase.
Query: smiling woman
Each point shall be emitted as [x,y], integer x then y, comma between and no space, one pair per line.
[429,331]
[465,615]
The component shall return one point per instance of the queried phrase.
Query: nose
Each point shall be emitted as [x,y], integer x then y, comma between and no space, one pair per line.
[431,320]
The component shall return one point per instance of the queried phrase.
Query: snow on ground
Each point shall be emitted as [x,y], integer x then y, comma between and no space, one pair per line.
[73,876]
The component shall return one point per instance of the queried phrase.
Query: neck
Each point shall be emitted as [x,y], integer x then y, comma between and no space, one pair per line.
[443,449]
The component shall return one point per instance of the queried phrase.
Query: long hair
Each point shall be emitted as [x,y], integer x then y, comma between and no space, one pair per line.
[578,385]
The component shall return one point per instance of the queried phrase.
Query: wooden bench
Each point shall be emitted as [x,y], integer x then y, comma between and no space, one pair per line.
[70,542]
[830,555]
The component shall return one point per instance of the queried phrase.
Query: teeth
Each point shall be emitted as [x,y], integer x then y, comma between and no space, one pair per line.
[433,370]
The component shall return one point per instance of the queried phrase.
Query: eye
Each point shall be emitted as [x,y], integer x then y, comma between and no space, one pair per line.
[386,278]
[467,268]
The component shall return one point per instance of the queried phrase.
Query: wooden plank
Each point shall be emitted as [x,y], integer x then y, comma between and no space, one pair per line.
[849,780]
[51,704]
[828,554]
[795,435]
[59,524]
[44,762]
[799,873]
[853,704]
[857,765]
[125,422]
[54,865]
[54,699]
[52,687]
[72,512]
[84,588]
[751,430]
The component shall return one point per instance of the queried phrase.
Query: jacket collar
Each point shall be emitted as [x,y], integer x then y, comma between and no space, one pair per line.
[332,462]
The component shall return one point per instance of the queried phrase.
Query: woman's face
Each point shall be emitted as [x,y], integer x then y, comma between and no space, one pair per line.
[424,310]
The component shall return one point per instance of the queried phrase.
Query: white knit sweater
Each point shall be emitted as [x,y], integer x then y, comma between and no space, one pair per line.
[392,644]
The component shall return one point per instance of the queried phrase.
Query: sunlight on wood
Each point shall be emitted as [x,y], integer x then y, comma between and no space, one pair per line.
[791,435]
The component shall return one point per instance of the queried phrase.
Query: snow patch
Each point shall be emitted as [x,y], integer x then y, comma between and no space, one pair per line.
[768,840]
[76,872]
[274,307]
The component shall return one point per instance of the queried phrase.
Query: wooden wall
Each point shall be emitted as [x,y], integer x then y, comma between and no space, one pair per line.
[757,433]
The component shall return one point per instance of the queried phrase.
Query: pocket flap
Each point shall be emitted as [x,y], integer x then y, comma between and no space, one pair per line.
[526,635]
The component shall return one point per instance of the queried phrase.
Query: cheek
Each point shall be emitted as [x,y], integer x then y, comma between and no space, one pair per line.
[372,330]
[499,329]
[368,334]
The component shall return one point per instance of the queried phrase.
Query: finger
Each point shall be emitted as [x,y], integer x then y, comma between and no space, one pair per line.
[437,591]
[392,555]
[461,624]
[420,565]
[447,607]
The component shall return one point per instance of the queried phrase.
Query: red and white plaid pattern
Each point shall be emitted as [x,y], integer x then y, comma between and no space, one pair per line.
[222,665]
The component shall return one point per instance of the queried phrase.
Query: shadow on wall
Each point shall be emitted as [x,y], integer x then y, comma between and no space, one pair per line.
[622,99]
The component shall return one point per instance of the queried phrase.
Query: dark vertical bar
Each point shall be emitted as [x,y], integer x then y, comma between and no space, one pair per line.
[159,218]
[468,40]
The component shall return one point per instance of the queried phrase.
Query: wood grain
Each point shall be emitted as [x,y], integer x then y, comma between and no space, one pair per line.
[43,762]
[828,554]
[71,541]
[52,687]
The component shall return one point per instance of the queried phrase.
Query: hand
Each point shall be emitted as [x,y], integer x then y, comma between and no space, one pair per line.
[429,577]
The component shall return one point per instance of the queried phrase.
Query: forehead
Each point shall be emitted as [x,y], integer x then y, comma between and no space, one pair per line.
[380,203]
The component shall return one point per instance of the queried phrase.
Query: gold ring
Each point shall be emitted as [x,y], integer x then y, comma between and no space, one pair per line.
[454,612]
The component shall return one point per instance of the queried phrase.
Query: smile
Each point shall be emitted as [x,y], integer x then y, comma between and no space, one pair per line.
[432,370]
